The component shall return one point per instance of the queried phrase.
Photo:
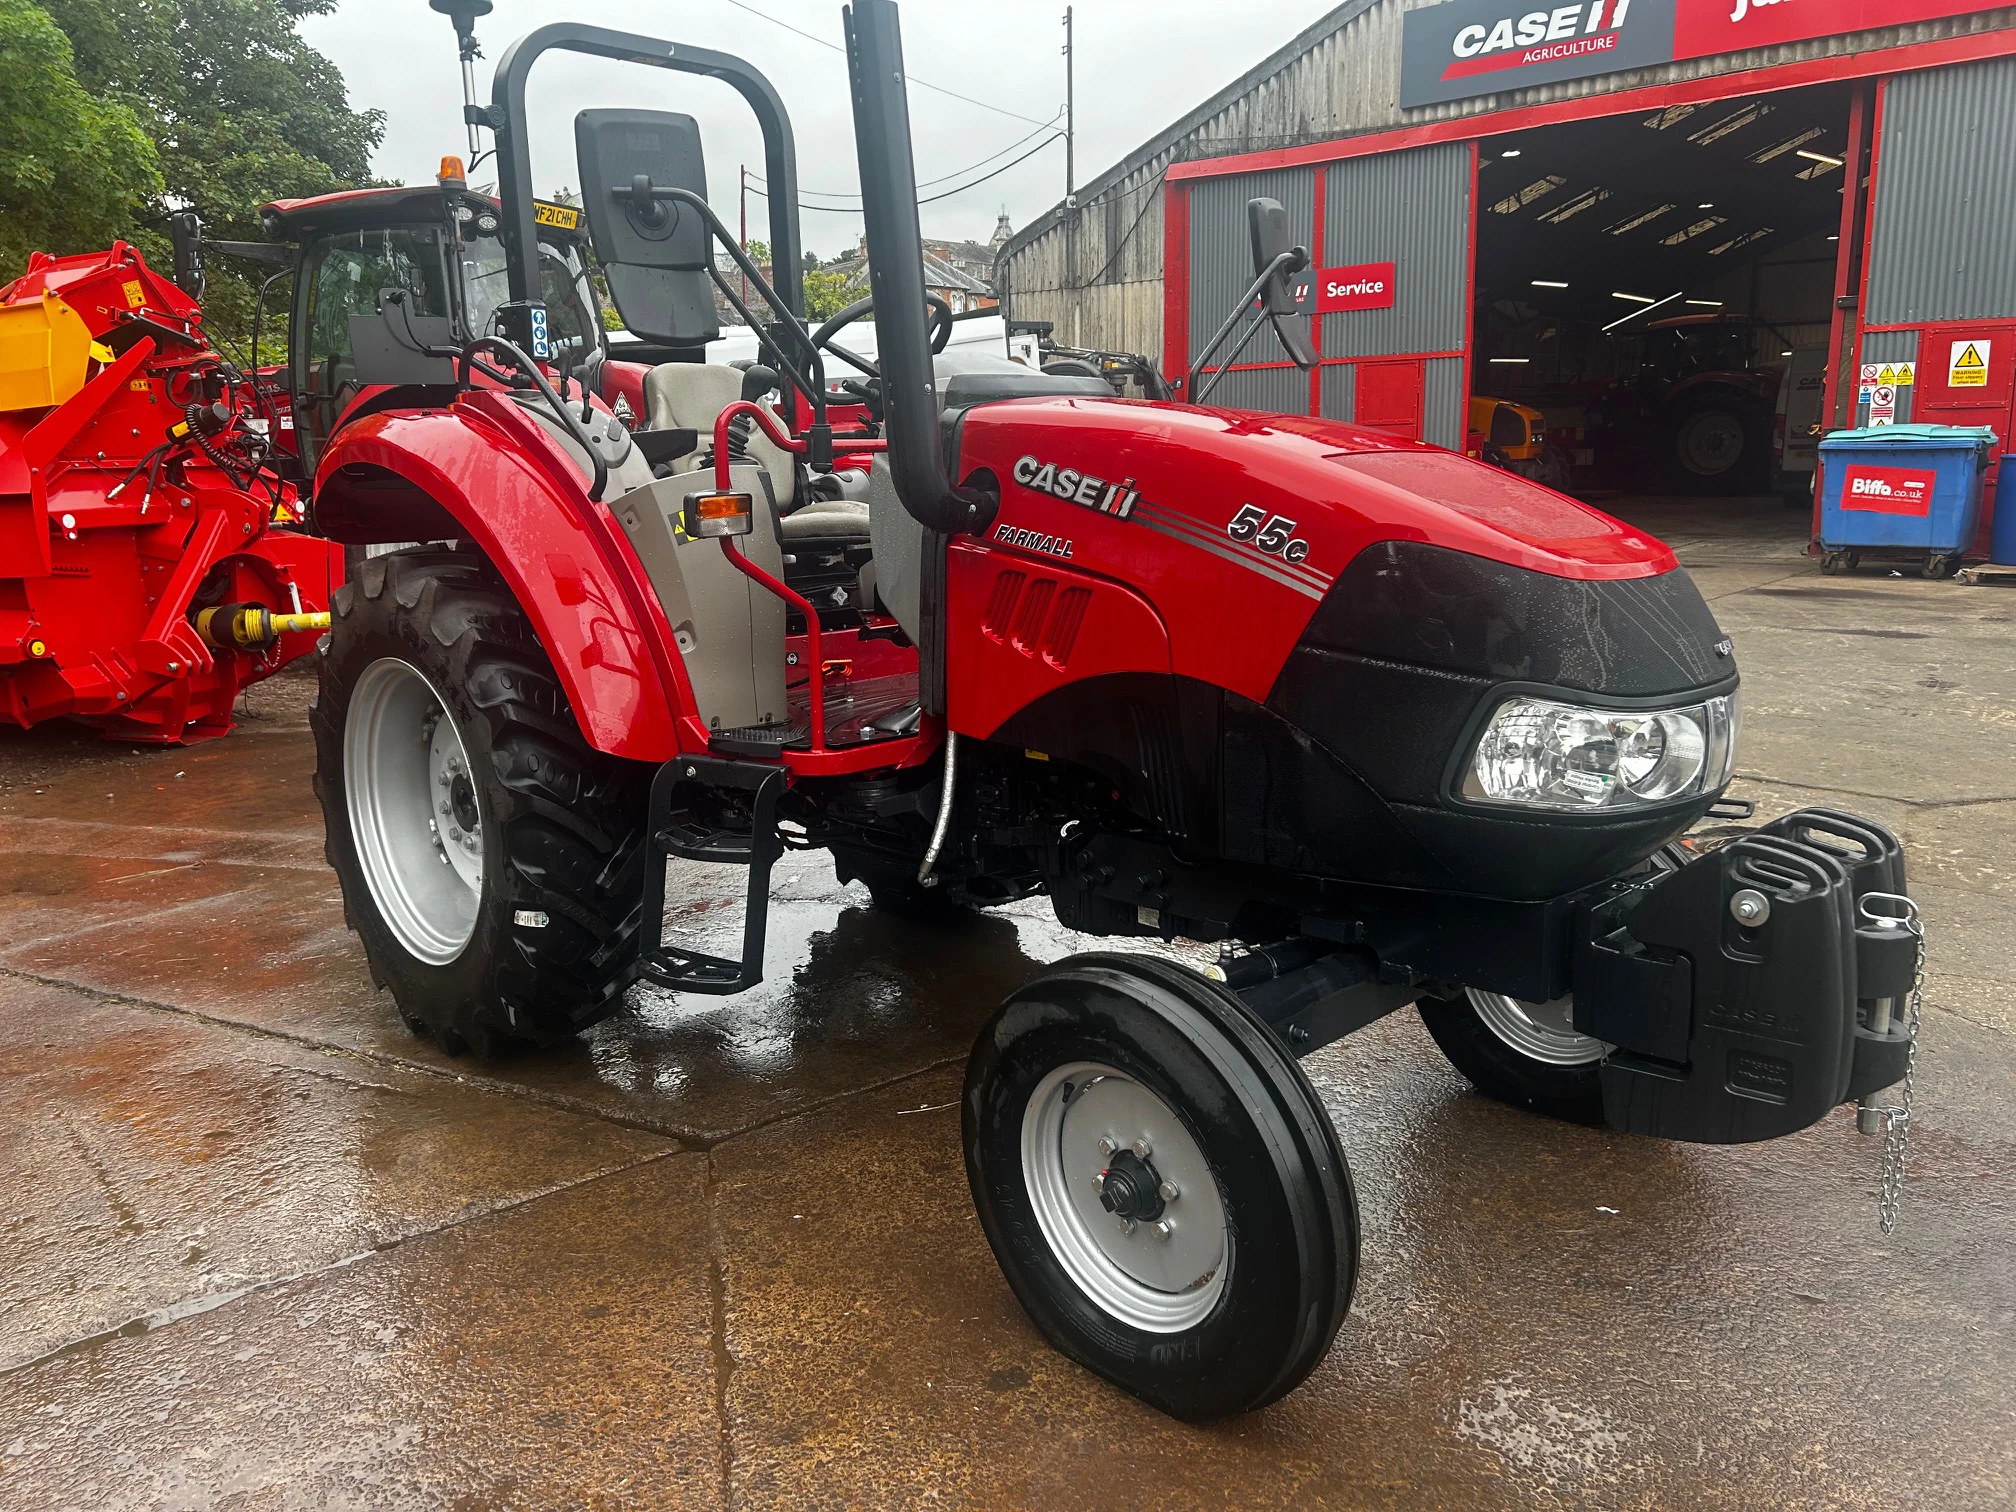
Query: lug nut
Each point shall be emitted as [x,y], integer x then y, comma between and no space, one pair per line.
[1098,1181]
[1141,1150]
[1107,1146]
[1170,1191]
[1126,1225]
[1164,1228]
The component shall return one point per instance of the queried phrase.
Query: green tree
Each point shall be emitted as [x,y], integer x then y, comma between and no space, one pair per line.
[77,169]
[241,111]
[828,291]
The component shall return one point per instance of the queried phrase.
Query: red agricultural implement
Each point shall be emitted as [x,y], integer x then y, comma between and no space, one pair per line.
[144,581]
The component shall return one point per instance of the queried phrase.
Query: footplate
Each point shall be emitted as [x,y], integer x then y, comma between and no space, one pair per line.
[1747,991]
[676,830]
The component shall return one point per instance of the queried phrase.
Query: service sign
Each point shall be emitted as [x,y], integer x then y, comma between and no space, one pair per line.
[1367,286]
[1889,490]
[1465,48]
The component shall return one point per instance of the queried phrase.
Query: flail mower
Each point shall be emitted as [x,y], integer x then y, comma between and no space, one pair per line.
[1390,727]
[146,574]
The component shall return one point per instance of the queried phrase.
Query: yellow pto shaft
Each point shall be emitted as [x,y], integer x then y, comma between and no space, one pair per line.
[245,627]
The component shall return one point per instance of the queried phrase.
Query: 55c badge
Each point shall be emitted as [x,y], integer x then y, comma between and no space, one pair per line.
[1273,534]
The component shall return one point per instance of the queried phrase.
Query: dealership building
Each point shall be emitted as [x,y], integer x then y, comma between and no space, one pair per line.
[1611,197]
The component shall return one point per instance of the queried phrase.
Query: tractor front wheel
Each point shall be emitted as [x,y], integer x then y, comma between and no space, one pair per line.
[1525,1054]
[1160,1184]
[491,861]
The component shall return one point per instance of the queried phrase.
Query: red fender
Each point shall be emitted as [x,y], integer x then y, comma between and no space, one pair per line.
[502,483]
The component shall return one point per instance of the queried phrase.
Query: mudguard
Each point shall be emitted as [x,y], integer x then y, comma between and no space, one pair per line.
[483,471]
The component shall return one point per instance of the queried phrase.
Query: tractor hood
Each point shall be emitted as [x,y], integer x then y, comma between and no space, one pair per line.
[1344,612]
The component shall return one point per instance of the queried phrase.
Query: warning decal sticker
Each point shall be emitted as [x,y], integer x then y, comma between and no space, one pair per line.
[1888,490]
[1907,375]
[1970,364]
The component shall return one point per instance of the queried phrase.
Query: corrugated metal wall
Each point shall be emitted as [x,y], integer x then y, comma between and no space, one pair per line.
[1444,405]
[1409,208]
[1098,273]
[1221,253]
[1282,390]
[1944,246]
[1889,347]
[1340,392]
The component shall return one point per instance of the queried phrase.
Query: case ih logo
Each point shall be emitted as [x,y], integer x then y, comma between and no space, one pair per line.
[1888,490]
[1368,286]
[1074,487]
[1463,48]
[1542,36]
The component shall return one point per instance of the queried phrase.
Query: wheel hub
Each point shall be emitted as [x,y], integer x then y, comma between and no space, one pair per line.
[414,814]
[1124,1197]
[1130,1189]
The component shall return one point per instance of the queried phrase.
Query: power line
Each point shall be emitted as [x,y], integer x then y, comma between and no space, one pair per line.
[911,78]
[932,198]
[1139,215]
[928,183]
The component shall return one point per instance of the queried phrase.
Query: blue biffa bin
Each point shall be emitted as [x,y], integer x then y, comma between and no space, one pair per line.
[1912,489]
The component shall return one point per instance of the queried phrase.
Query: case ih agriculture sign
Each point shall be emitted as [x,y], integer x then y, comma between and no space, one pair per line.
[1480,47]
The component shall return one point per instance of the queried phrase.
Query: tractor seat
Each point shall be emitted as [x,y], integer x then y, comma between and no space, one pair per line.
[691,396]
[828,520]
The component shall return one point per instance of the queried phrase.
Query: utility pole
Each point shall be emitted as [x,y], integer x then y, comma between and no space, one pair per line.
[1070,118]
[745,231]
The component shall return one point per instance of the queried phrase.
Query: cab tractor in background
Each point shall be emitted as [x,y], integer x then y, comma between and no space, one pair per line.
[1391,728]
[1698,412]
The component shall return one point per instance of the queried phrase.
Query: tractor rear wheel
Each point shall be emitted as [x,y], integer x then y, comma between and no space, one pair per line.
[1160,1184]
[491,860]
[1525,1054]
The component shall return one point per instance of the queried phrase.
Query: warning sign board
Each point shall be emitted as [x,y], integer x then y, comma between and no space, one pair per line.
[1883,405]
[1869,371]
[1907,375]
[1888,375]
[1969,367]
[1889,490]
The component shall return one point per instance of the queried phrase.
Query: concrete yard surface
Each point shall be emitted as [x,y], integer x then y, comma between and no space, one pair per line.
[262,1248]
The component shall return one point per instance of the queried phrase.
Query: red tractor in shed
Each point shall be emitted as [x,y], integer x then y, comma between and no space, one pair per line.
[1390,727]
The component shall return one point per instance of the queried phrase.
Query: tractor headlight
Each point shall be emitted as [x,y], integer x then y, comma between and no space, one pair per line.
[1537,753]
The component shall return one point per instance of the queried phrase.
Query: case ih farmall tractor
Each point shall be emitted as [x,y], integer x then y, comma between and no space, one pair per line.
[1390,727]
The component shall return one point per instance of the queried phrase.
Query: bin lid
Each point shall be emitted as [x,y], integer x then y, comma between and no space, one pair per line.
[1980,437]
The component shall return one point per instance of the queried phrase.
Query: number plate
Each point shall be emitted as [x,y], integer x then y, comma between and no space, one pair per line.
[564,217]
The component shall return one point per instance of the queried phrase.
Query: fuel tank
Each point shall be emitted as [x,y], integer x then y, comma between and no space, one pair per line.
[1284,638]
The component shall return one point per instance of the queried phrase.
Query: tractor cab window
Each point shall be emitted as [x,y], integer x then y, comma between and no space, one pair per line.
[344,276]
[570,316]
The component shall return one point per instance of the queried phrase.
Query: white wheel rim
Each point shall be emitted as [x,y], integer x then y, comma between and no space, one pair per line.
[1156,1280]
[1712,444]
[1543,1032]
[406,778]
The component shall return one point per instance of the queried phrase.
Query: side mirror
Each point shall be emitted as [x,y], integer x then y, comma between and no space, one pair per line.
[185,236]
[1277,260]
[654,250]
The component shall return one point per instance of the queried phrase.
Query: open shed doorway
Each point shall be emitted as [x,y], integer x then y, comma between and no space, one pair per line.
[1654,298]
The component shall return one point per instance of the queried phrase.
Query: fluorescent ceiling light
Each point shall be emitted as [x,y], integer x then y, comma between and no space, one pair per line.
[1707,304]
[1710,205]
[1510,361]
[1833,238]
[1650,306]
[1511,152]
[1548,283]
[1634,298]
[1821,157]
[1784,354]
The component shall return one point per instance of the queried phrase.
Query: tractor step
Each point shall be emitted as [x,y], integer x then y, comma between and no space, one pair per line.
[759,742]
[675,831]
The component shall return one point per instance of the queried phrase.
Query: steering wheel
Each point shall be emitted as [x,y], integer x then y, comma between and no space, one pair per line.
[941,331]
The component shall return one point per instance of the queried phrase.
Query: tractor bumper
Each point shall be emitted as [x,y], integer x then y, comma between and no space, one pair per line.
[1754,988]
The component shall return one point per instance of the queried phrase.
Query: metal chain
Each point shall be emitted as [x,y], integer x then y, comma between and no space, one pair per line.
[1897,1120]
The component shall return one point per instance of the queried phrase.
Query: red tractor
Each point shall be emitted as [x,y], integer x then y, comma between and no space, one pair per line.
[1390,727]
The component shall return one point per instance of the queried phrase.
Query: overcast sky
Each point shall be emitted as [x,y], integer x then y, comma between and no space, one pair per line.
[1139,67]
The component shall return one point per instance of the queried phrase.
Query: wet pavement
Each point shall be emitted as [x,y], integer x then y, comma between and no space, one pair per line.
[260,1248]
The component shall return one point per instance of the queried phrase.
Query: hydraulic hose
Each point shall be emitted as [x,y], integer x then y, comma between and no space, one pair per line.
[938,830]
